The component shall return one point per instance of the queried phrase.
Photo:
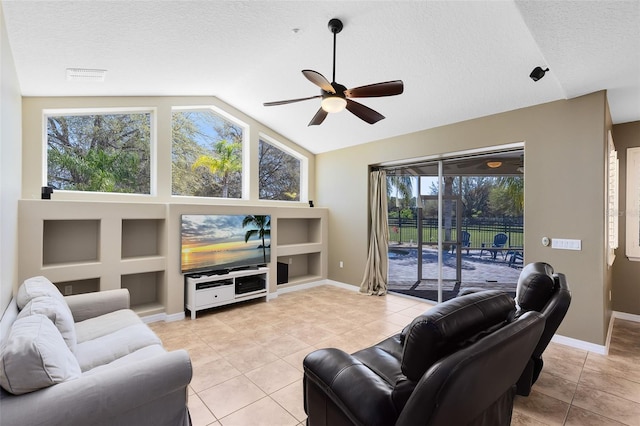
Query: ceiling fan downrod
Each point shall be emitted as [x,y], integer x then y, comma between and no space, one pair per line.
[335,26]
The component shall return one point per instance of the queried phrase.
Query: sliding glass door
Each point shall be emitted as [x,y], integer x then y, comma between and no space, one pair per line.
[456,223]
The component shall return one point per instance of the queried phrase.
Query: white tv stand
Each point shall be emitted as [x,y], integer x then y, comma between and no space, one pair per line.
[208,290]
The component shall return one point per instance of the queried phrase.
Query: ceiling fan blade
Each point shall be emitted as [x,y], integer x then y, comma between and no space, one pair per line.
[319,80]
[387,88]
[318,118]
[364,112]
[290,101]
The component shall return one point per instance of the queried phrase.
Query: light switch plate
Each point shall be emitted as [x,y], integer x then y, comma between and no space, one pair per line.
[566,244]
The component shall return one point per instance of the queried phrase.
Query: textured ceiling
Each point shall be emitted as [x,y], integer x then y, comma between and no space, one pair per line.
[458,60]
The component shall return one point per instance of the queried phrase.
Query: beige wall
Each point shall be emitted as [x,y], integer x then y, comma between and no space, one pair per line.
[564,193]
[33,125]
[626,274]
[10,152]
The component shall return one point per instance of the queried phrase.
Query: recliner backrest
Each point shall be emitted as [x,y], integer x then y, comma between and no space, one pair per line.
[540,289]
[465,387]
[450,326]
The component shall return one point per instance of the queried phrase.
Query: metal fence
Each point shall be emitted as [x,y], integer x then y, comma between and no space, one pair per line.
[482,230]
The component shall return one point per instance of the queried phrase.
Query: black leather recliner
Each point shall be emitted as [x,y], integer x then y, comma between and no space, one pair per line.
[458,363]
[541,290]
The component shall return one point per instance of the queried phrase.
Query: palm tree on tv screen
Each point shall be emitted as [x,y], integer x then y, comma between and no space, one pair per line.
[263,225]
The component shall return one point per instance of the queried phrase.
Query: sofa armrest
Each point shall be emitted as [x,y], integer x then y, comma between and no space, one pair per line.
[345,381]
[97,399]
[90,305]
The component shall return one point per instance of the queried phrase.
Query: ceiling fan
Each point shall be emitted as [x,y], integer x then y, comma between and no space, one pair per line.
[336,97]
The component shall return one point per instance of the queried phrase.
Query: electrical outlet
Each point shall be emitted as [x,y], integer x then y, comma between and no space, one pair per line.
[341,264]
[290,260]
[68,290]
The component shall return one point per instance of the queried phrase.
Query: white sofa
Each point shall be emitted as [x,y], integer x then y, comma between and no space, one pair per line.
[86,360]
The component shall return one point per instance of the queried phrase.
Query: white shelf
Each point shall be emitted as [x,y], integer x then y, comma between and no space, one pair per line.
[294,249]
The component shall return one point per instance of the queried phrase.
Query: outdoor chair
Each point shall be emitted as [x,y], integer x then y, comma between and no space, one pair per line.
[465,242]
[499,242]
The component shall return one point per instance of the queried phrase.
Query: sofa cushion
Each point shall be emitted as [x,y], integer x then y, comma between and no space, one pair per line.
[139,355]
[35,356]
[102,325]
[34,287]
[59,314]
[105,349]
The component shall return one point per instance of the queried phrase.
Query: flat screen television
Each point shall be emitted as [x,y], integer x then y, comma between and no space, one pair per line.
[222,242]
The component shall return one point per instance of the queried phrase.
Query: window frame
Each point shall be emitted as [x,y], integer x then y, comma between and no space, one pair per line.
[153,145]
[613,209]
[632,216]
[304,169]
[246,149]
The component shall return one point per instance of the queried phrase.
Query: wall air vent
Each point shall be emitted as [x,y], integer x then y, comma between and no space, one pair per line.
[85,74]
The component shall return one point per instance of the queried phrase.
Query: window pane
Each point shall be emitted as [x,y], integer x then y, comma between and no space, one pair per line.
[279,174]
[99,152]
[206,155]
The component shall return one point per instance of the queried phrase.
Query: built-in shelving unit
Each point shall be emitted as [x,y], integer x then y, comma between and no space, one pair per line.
[88,246]
[301,244]
[95,246]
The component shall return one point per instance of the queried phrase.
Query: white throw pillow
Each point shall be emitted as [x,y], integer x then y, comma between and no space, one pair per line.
[59,314]
[34,287]
[34,356]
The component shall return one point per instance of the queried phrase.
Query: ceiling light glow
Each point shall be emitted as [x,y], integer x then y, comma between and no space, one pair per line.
[333,104]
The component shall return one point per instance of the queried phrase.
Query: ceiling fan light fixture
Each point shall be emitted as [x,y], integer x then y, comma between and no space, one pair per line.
[333,104]
[494,164]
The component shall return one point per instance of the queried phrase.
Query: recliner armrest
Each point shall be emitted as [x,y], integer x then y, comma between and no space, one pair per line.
[90,305]
[360,393]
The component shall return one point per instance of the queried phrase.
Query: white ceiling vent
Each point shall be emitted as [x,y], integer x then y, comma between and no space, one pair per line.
[85,74]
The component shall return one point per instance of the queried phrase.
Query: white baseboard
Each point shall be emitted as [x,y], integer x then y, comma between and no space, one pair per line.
[626,316]
[580,344]
[162,317]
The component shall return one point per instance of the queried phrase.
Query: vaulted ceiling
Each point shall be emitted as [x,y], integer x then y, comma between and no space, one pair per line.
[458,59]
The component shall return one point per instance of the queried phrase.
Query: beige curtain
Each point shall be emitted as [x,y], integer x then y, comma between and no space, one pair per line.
[375,274]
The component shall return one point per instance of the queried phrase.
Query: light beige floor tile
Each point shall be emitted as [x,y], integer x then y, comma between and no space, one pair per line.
[542,408]
[250,358]
[211,374]
[291,399]
[296,358]
[626,368]
[607,405]
[563,361]
[555,386]
[286,345]
[580,417]
[200,414]
[230,396]
[274,376]
[265,412]
[520,419]
[611,384]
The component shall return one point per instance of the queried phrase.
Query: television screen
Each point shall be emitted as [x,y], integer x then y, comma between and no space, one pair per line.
[222,242]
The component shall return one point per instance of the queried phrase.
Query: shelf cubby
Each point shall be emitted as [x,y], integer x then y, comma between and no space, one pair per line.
[293,231]
[79,286]
[70,241]
[145,289]
[141,237]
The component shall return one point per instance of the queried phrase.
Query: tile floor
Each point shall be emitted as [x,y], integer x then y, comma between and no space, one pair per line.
[247,360]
